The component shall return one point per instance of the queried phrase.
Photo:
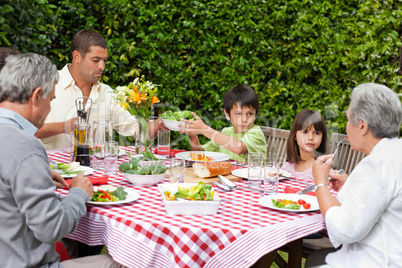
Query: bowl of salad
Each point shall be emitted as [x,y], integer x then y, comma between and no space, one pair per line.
[142,175]
[189,198]
[172,119]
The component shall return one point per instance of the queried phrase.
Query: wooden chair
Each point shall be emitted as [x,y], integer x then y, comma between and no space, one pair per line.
[276,143]
[345,158]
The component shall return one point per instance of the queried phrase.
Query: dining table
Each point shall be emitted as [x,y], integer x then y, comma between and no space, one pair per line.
[141,233]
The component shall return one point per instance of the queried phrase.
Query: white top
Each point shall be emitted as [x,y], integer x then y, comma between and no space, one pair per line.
[103,108]
[367,222]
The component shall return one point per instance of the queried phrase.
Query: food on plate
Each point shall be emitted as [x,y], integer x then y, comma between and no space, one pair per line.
[132,167]
[289,204]
[200,157]
[68,169]
[212,169]
[176,116]
[201,191]
[108,193]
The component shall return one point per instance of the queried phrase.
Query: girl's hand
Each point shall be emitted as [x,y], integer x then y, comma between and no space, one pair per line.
[321,168]
[337,180]
[193,128]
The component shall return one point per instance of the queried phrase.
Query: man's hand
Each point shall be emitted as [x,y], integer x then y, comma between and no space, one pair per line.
[337,180]
[83,182]
[58,180]
[154,126]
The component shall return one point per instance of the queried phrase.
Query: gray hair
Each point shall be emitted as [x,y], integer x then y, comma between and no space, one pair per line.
[25,72]
[379,107]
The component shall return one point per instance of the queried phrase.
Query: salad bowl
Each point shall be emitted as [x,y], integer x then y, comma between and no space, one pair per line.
[187,207]
[144,180]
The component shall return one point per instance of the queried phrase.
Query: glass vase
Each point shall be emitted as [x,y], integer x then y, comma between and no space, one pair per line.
[142,140]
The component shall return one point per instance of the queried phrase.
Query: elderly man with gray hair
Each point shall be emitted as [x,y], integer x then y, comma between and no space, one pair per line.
[364,219]
[33,218]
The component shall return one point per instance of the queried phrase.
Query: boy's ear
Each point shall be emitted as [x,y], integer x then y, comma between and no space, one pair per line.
[226,115]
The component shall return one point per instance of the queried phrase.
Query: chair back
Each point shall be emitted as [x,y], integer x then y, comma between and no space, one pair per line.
[345,158]
[276,143]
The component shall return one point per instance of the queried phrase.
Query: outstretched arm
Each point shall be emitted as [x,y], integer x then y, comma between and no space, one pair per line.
[52,129]
[193,128]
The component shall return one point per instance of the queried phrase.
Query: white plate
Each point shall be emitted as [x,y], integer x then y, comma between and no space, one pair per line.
[86,170]
[188,207]
[216,157]
[243,173]
[266,201]
[132,195]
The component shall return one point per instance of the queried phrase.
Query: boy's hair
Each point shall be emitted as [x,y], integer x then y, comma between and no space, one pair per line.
[84,39]
[306,119]
[243,95]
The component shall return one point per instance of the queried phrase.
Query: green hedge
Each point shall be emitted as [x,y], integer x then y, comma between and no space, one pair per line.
[295,54]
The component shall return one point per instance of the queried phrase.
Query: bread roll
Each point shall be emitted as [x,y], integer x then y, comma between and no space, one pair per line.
[212,169]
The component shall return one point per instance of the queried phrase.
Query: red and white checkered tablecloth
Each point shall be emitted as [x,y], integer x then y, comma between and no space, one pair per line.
[142,234]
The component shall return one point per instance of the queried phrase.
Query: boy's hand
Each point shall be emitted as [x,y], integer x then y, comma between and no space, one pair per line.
[193,128]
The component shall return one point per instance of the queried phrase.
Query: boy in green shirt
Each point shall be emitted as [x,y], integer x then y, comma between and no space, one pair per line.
[241,106]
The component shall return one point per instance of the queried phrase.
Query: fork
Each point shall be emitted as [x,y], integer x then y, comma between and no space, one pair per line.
[337,146]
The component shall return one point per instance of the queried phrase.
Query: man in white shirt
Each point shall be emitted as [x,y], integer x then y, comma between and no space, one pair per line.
[81,79]
[366,215]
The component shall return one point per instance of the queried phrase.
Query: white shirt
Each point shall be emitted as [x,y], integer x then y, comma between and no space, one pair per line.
[368,221]
[103,108]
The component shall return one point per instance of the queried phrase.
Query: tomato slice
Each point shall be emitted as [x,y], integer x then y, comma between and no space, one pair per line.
[279,200]
[301,202]
[307,205]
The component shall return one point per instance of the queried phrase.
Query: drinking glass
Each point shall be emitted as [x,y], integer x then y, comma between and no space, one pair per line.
[111,155]
[271,178]
[255,170]
[102,133]
[177,170]
[164,142]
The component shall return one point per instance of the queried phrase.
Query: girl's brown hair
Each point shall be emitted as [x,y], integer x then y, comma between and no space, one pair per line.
[306,119]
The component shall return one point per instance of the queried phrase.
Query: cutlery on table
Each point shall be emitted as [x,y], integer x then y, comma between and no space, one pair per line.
[311,187]
[222,186]
[233,186]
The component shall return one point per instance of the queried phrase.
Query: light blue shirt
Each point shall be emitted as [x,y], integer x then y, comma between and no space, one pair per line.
[12,118]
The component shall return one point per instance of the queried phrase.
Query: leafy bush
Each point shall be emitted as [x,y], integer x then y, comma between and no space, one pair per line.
[296,54]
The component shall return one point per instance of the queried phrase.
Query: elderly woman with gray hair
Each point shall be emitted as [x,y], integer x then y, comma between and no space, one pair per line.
[362,221]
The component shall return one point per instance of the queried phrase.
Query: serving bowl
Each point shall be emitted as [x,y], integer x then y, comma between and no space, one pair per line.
[187,207]
[172,125]
[144,180]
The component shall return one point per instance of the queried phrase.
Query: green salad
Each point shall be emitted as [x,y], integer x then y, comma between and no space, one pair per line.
[109,196]
[132,167]
[201,191]
[176,116]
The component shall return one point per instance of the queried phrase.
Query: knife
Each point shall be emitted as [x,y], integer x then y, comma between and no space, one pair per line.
[311,187]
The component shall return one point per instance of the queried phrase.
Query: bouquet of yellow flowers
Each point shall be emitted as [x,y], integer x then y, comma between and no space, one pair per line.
[138,97]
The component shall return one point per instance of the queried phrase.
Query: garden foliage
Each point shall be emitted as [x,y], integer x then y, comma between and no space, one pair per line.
[296,54]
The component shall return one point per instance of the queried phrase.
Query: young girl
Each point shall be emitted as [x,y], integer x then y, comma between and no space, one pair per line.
[307,140]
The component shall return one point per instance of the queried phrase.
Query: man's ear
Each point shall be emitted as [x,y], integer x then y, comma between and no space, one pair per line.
[37,93]
[226,114]
[76,56]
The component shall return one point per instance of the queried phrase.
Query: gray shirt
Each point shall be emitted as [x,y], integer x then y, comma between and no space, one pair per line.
[32,218]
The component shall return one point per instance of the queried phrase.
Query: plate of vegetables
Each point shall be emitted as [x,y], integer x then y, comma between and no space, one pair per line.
[71,170]
[290,202]
[111,195]
[189,198]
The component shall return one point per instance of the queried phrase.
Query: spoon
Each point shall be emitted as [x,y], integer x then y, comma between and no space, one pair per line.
[233,186]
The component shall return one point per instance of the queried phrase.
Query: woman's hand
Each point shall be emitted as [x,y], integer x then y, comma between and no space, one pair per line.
[321,168]
[337,180]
